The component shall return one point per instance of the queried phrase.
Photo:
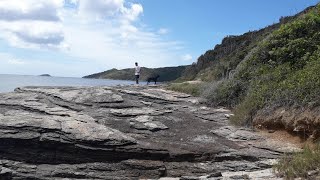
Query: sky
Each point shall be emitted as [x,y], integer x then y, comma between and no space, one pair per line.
[74,38]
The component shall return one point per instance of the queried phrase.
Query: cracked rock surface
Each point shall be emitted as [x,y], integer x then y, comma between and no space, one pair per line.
[123,132]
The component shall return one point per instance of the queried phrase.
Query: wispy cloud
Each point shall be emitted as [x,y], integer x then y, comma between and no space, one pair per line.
[10,59]
[187,57]
[16,62]
[163,31]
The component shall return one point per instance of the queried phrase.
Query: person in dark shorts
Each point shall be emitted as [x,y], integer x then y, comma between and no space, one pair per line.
[137,72]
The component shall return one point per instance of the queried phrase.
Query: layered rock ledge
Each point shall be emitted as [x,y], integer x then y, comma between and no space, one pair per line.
[124,132]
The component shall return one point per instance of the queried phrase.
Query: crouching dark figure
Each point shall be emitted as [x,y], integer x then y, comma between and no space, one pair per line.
[155,78]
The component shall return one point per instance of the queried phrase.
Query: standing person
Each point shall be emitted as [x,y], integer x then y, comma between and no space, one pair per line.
[137,72]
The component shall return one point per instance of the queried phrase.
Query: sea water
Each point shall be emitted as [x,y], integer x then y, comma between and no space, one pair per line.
[9,82]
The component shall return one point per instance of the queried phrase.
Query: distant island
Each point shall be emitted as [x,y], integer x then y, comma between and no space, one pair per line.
[165,73]
[47,75]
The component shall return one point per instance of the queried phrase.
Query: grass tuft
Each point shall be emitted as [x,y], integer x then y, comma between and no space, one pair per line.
[299,164]
[185,87]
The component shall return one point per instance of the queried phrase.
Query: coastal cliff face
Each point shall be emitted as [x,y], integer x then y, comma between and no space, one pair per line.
[124,132]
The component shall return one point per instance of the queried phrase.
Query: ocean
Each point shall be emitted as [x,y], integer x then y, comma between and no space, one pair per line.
[9,82]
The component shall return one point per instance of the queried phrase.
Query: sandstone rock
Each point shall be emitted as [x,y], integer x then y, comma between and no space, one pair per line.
[204,139]
[137,112]
[147,123]
[83,95]
[122,132]
[189,178]
[236,134]
[217,174]
[150,95]
[256,175]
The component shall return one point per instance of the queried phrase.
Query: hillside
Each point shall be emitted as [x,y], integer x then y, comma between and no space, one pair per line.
[220,62]
[270,77]
[165,73]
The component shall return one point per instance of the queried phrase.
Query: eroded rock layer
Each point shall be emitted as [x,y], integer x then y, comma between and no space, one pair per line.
[122,132]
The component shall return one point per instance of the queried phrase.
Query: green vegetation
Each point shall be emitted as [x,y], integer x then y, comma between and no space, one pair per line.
[189,88]
[299,164]
[278,66]
[285,71]
[165,73]
[216,64]
[225,92]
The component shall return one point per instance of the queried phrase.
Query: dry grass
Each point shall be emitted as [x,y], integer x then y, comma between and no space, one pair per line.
[186,87]
[299,164]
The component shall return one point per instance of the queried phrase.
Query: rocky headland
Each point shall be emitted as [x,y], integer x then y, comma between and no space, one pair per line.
[125,132]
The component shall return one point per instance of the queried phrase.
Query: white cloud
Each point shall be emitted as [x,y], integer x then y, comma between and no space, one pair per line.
[100,8]
[163,31]
[32,23]
[132,13]
[110,9]
[11,10]
[119,46]
[112,37]
[186,57]
[72,1]
[32,34]
[102,33]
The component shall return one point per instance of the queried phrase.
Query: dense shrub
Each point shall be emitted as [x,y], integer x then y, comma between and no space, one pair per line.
[284,71]
[277,66]
[223,93]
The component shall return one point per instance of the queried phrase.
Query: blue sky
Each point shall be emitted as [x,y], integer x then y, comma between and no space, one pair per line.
[80,37]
